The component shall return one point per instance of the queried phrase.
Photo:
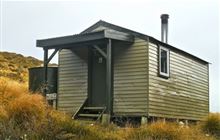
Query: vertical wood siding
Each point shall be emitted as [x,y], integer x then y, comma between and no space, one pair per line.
[183,95]
[130,79]
[72,81]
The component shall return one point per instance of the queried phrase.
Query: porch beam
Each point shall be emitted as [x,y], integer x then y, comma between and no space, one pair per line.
[109,77]
[81,38]
[100,51]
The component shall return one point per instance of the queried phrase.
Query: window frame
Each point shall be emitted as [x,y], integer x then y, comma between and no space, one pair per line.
[163,74]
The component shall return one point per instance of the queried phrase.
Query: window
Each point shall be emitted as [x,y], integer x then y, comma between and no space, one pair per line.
[164,62]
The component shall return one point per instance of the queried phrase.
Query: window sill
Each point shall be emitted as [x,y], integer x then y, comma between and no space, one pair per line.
[164,75]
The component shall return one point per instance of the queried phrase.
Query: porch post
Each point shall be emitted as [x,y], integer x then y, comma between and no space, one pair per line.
[108,78]
[45,71]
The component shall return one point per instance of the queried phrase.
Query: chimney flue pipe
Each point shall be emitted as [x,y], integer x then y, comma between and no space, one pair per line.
[164,27]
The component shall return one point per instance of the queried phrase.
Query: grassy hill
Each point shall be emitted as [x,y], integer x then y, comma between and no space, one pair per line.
[15,66]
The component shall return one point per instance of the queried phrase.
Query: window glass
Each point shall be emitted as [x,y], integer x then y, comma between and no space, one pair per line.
[164,62]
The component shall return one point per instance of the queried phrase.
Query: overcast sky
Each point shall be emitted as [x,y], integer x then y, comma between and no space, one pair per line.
[193,25]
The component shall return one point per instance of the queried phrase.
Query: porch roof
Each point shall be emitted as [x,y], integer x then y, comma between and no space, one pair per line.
[85,38]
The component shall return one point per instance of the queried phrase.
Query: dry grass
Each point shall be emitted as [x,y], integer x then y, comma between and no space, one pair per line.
[18,108]
[22,113]
[167,131]
[27,115]
[211,125]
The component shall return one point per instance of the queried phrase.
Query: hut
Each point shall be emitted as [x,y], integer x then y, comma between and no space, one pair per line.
[109,72]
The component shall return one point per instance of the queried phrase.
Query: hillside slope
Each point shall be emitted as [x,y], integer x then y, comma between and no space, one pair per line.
[15,66]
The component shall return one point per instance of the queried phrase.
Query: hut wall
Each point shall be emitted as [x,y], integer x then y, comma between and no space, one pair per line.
[185,94]
[130,79]
[72,81]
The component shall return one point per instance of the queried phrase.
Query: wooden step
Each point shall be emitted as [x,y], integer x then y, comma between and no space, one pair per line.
[89,115]
[94,108]
[86,121]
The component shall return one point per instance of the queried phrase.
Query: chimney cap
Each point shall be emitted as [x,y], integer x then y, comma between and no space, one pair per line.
[164,16]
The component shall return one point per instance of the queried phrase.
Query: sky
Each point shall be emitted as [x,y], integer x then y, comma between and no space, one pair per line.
[193,26]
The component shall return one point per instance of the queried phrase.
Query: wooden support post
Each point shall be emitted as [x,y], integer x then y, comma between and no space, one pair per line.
[153,119]
[164,120]
[177,120]
[144,120]
[109,77]
[45,71]
[89,90]
[106,119]
[55,104]
[186,123]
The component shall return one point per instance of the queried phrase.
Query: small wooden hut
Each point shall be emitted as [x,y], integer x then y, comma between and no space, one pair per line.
[109,71]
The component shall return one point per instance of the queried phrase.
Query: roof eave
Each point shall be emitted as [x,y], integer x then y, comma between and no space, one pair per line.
[81,38]
[176,49]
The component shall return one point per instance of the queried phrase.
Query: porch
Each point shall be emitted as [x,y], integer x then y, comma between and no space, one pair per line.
[96,48]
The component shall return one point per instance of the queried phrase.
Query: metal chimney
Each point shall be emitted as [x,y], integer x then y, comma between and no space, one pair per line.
[164,27]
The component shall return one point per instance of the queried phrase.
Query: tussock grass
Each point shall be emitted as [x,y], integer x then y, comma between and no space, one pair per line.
[27,115]
[211,125]
[22,113]
[167,131]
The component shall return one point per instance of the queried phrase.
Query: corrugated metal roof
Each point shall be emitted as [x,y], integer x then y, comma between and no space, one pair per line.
[88,35]
[137,34]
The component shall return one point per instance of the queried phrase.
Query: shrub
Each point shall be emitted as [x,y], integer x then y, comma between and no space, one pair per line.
[26,109]
[211,124]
